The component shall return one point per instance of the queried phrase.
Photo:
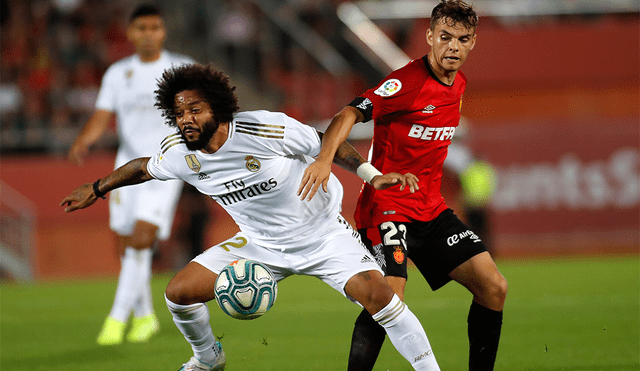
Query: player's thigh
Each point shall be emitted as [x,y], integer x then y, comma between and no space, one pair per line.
[336,257]
[192,284]
[387,243]
[195,283]
[439,246]
[481,277]
[238,247]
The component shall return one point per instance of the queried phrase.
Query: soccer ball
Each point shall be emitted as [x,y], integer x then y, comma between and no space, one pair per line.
[246,289]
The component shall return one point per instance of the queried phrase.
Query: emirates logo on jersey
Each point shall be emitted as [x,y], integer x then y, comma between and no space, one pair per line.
[241,193]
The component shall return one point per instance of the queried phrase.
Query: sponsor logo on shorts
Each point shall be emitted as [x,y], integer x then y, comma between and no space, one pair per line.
[398,255]
[452,240]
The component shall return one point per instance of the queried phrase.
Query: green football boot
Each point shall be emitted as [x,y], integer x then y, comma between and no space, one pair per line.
[143,328]
[112,332]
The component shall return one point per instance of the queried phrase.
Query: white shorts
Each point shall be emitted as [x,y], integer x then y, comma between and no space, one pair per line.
[334,258]
[154,202]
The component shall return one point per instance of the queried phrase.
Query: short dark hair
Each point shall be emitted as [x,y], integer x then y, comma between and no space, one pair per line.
[212,84]
[143,10]
[454,12]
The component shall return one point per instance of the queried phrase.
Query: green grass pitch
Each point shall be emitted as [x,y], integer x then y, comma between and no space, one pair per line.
[561,314]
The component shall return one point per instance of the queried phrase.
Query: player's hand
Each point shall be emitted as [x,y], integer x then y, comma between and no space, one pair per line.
[390,179]
[80,198]
[77,153]
[316,174]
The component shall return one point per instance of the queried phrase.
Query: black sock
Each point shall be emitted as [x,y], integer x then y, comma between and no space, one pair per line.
[484,335]
[366,342]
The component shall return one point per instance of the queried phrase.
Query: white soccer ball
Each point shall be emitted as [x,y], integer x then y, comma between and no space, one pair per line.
[246,289]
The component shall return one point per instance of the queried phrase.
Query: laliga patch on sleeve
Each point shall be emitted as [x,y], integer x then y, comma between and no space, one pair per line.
[389,88]
[159,158]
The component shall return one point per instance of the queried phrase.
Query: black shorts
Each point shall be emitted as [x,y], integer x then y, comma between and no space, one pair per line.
[436,247]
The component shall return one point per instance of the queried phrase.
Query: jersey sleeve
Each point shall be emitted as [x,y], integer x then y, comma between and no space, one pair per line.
[395,93]
[300,139]
[159,167]
[108,91]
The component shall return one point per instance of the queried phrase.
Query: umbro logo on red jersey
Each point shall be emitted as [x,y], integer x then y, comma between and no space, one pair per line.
[429,109]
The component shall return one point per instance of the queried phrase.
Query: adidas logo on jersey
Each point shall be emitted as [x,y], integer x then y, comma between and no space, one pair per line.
[428,109]
[366,259]
[203,176]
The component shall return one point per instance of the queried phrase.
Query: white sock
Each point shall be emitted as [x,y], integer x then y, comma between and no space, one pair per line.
[193,321]
[407,335]
[128,285]
[144,304]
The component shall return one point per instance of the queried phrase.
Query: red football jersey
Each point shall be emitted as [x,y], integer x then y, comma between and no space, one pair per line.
[415,116]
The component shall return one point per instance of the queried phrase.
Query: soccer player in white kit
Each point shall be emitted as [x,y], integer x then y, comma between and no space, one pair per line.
[142,214]
[252,164]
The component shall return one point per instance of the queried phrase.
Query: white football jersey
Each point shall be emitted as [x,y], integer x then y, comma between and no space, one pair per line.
[128,90]
[255,177]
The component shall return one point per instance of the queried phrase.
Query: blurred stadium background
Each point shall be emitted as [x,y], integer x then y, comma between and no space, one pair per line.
[553,103]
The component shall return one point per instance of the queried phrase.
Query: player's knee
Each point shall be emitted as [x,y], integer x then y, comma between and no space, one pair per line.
[177,292]
[378,297]
[503,288]
[142,240]
[497,291]
[144,235]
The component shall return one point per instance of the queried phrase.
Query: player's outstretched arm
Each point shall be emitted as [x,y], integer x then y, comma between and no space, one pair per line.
[317,173]
[133,172]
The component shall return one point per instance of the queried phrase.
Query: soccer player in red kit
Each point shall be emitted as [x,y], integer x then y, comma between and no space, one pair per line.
[416,110]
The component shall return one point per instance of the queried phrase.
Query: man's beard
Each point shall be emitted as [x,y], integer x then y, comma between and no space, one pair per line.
[208,129]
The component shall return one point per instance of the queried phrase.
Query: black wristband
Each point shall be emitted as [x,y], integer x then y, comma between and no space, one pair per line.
[96,191]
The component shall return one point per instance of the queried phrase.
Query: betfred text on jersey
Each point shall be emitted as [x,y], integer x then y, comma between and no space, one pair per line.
[431,133]
[242,194]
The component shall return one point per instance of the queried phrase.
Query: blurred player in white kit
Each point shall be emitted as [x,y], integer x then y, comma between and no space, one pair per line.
[143,214]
